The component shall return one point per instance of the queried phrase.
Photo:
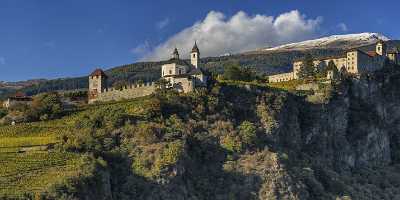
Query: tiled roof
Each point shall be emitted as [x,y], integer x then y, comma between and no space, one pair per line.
[196,71]
[394,50]
[19,94]
[192,70]
[98,72]
[179,76]
[177,61]
[322,58]
[371,53]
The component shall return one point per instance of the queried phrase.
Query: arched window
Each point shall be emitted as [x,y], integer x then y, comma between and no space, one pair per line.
[194,55]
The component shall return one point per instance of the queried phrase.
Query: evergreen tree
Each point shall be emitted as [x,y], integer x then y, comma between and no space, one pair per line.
[307,69]
[332,66]
[343,73]
[232,72]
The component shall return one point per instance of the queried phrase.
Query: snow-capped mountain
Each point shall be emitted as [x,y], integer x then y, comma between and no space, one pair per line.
[334,41]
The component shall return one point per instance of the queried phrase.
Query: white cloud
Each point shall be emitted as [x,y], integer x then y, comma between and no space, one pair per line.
[216,34]
[342,27]
[163,23]
[142,49]
[2,61]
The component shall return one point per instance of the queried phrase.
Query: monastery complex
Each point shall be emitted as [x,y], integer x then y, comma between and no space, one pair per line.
[181,75]
[353,61]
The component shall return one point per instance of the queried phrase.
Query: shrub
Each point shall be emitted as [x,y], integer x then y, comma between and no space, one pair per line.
[247,132]
[232,143]
[147,133]
[44,107]
[170,155]
[107,117]
[175,128]
[234,72]
[3,112]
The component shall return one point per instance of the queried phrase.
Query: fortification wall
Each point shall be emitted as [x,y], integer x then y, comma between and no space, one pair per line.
[128,92]
[281,77]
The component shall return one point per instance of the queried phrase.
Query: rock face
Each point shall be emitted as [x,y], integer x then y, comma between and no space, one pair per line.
[354,134]
[346,146]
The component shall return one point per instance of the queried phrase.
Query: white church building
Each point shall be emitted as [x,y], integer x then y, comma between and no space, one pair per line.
[184,76]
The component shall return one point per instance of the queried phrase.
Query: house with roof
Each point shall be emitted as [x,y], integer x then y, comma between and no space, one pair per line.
[180,75]
[353,61]
[17,99]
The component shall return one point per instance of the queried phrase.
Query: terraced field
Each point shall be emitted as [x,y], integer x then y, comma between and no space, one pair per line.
[28,161]
[28,164]
[34,171]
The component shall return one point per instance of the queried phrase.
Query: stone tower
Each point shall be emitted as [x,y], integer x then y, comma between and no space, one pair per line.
[97,83]
[175,54]
[195,55]
[393,55]
[381,48]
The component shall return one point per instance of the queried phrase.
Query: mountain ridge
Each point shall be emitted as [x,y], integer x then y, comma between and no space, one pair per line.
[331,42]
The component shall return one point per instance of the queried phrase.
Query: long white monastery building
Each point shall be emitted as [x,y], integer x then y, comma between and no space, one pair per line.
[353,61]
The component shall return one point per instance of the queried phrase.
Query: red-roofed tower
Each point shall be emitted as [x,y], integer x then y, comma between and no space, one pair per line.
[97,83]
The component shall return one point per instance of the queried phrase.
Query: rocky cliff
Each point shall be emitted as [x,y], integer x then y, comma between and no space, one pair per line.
[248,142]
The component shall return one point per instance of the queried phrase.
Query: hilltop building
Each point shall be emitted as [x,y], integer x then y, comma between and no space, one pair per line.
[184,76]
[353,61]
[18,98]
[181,75]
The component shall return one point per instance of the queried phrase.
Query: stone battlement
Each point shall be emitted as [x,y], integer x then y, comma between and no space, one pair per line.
[127,92]
[129,87]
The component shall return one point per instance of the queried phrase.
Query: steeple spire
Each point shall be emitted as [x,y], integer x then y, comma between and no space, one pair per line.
[195,49]
[175,54]
[195,55]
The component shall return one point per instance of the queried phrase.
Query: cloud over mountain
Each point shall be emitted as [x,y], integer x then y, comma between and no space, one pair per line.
[216,34]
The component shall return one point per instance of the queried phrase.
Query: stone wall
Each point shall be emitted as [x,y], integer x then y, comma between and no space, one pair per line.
[281,77]
[128,92]
[308,86]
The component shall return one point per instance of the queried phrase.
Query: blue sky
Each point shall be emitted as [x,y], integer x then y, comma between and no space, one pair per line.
[63,38]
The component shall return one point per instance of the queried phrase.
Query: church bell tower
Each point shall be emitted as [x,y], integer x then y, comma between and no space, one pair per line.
[195,55]
[381,48]
[175,54]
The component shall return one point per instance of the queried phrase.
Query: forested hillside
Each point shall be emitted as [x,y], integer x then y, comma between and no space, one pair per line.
[233,140]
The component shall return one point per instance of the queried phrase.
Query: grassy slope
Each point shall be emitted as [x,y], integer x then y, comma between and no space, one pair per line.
[37,169]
